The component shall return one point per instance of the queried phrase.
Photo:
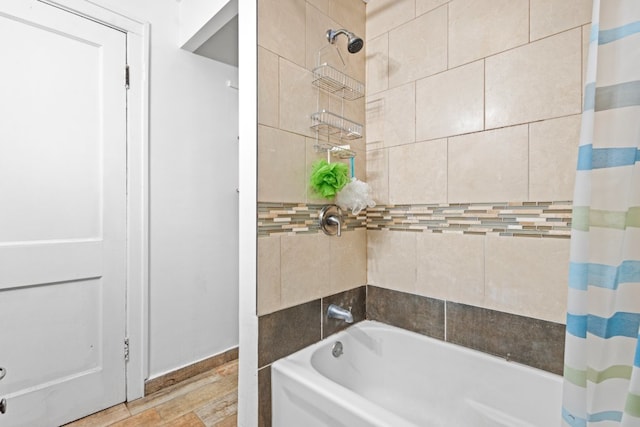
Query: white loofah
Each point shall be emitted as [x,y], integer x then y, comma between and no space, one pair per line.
[356,196]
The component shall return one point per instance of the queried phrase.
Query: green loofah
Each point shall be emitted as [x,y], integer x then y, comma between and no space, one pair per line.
[328,178]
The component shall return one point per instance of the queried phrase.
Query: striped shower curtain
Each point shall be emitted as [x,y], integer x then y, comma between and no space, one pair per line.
[602,352]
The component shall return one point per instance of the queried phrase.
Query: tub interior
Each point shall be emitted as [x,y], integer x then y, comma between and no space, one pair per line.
[434,383]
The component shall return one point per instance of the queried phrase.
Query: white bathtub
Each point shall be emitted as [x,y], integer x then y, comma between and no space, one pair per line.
[395,378]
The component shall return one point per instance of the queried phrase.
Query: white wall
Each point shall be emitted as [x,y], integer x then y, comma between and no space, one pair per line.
[194,204]
[248,368]
[201,19]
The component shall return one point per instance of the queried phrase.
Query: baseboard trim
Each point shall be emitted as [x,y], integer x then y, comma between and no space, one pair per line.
[171,378]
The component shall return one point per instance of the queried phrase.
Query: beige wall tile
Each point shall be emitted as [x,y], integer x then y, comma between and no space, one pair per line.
[305,269]
[527,276]
[375,108]
[268,93]
[318,49]
[391,260]
[552,16]
[424,6]
[350,14]
[391,117]
[348,261]
[451,267]
[450,103]
[384,15]
[418,173]
[378,175]
[418,48]
[377,64]
[399,115]
[321,5]
[298,98]
[281,166]
[553,154]
[489,166]
[268,275]
[360,164]
[317,24]
[355,111]
[281,23]
[479,28]
[538,81]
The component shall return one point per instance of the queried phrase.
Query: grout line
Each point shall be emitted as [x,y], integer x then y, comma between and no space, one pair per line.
[321,322]
[529,22]
[448,28]
[528,161]
[388,62]
[484,94]
[484,269]
[445,319]
[448,154]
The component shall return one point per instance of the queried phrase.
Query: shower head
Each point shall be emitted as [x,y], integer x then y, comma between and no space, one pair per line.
[354,44]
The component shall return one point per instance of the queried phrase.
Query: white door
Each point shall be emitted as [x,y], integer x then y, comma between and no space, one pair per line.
[62,214]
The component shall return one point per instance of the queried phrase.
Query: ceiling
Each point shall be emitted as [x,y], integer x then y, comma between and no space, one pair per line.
[223,45]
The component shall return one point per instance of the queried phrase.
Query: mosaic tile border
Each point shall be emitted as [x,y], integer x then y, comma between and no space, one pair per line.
[299,218]
[512,219]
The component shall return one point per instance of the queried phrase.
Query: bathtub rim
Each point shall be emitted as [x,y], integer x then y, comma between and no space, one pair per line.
[374,324]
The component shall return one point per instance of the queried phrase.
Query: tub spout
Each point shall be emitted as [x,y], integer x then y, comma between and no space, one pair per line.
[337,312]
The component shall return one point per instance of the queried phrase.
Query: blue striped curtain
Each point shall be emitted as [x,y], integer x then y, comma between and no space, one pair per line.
[602,355]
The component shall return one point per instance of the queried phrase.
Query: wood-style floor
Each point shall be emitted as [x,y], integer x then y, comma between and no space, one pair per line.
[208,399]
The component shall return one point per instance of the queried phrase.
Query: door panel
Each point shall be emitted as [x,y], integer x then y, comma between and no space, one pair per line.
[62,215]
[55,309]
[49,262]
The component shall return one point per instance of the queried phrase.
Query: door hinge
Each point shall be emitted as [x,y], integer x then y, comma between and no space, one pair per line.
[126,77]
[126,349]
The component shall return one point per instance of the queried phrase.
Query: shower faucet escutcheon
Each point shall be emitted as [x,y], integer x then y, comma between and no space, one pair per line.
[330,220]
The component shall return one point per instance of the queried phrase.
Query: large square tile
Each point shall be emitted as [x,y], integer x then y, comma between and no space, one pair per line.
[377,64]
[424,6]
[480,28]
[350,14]
[450,103]
[391,260]
[298,98]
[378,174]
[418,48]
[280,24]
[268,92]
[451,267]
[490,166]
[305,274]
[268,275]
[549,17]
[391,117]
[418,173]
[287,331]
[406,310]
[527,340]
[384,15]
[553,156]
[347,261]
[281,166]
[538,81]
[527,276]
